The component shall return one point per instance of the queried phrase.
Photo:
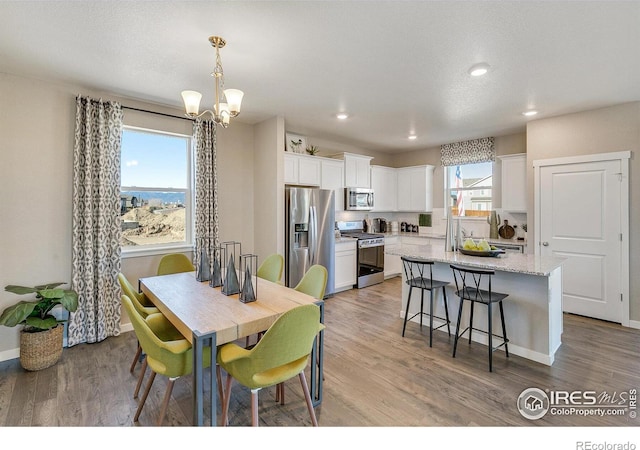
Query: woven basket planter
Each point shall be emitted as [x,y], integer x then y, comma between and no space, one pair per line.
[42,349]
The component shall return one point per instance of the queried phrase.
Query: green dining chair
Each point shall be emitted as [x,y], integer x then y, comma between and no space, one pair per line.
[166,332]
[271,268]
[171,358]
[281,354]
[314,282]
[175,263]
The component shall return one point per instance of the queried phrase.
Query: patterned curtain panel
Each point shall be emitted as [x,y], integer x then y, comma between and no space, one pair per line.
[468,152]
[96,221]
[206,226]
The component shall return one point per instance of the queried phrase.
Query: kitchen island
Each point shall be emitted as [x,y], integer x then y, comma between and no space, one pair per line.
[533,309]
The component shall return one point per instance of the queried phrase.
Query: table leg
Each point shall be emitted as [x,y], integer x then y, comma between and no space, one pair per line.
[200,341]
[317,362]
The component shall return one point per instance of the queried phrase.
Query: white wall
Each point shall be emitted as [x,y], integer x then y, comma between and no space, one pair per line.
[37,121]
[604,130]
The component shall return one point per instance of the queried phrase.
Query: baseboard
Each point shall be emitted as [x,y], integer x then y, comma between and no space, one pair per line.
[481,338]
[634,324]
[14,353]
[6,355]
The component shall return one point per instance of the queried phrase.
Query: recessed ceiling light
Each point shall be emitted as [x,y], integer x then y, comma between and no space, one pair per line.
[479,69]
[342,116]
[412,137]
[531,112]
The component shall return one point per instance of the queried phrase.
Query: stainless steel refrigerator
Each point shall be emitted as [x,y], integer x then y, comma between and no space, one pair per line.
[309,234]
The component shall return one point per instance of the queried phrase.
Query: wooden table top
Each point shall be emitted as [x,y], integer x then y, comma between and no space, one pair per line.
[195,306]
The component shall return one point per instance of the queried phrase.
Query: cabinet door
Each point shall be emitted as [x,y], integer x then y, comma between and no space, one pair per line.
[384,184]
[345,266]
[404,191]
[290,169]
[332,177]
[357,171]
[392,263]
[415,189]
[309,171]
[514,183]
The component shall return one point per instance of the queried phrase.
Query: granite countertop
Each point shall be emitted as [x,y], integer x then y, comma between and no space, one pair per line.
[436,235]
[507,262]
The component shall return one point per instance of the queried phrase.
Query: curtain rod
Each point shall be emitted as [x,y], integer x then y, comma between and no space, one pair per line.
[158,113]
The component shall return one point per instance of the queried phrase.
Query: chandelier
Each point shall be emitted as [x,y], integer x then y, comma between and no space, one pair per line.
[227,101]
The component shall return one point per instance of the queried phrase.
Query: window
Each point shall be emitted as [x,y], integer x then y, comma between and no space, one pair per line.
[468,189]
[155,192]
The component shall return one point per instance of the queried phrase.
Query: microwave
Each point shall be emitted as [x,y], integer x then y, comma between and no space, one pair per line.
[358,199]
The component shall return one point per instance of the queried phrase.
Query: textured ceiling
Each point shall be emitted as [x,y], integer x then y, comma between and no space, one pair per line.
[398,67]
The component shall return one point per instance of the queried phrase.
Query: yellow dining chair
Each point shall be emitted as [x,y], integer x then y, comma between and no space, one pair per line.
[142,305]
[175,263]
[167,332]
[271,268]
[281,354]
[313,283]
[171,358]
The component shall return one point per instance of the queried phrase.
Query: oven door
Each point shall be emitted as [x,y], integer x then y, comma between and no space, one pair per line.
[370,265]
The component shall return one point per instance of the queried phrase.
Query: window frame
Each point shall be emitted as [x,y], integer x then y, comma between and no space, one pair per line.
[447,191]
[188,244]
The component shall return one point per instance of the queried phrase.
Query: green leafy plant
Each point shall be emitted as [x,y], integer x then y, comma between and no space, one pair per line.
[312,149]
[36,315]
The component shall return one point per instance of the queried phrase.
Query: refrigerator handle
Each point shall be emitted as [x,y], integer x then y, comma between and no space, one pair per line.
[313,234]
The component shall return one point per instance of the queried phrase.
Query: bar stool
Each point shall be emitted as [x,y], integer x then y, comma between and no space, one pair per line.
[415,271]
[468,287]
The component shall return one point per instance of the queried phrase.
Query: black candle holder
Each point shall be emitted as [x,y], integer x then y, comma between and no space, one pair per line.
[248,267]
[230,251]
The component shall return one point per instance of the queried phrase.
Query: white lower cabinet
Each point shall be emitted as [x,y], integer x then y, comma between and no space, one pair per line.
[345,265]
[392,263]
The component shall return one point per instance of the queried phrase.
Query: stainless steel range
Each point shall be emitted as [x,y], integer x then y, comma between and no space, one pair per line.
[370,255]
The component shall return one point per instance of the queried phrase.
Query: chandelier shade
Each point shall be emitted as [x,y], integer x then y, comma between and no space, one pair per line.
[227,102]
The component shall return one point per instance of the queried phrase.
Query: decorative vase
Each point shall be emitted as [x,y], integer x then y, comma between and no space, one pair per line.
[41,349]
[493,222]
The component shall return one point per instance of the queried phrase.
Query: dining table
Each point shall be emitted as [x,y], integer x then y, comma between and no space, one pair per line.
[208,318]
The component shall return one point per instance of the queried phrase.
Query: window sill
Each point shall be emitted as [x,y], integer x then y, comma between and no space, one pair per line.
[153,251]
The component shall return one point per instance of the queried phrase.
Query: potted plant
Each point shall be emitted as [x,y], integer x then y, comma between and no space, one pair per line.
[41,336]
[312,150]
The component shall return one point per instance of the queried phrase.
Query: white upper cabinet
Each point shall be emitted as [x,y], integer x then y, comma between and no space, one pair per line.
[301,169]
[356,170]
[332,177]
[415,188]
[514,182]
[384,182]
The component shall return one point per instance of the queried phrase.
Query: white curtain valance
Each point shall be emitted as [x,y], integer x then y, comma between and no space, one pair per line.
[468,152]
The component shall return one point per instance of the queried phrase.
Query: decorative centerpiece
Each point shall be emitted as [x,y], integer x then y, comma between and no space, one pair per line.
[248,267]
[230,251]
[203,271]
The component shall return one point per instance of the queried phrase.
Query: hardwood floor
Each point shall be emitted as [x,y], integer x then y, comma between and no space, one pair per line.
[373,377]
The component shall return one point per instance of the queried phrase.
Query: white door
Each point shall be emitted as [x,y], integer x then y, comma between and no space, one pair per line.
[580,219]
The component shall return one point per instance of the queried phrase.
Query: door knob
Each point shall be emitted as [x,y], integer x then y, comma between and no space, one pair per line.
[545,243]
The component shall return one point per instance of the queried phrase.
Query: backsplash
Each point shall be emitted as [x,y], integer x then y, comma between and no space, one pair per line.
[476,226]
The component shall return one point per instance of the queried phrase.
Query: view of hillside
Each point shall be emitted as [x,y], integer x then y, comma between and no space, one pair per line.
[151,225]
